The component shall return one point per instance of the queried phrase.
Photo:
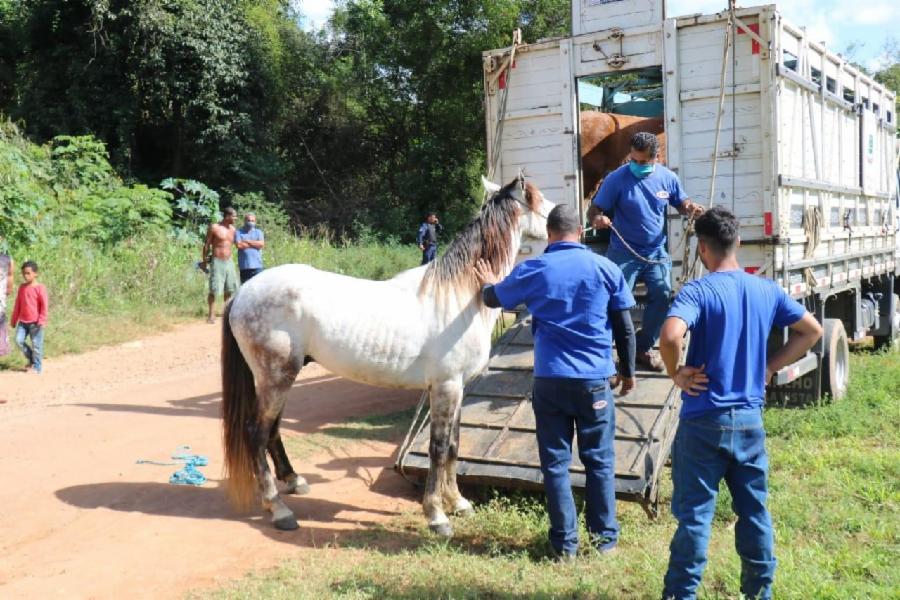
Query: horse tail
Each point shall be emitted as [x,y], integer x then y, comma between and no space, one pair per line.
[240,418]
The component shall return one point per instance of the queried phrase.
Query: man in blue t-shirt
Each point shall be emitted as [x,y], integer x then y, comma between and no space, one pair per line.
[250,242]
[579,302]
[720,435]
[639,193]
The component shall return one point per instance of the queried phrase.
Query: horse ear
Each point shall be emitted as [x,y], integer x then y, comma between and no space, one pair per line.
[489,186]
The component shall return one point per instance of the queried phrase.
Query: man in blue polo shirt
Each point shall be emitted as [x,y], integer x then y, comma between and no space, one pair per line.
[578,301]
[250,242]
[720,434]
[639,194]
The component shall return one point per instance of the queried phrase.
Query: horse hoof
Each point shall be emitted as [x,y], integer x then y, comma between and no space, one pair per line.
[463,508]
[441,529]
[286,523]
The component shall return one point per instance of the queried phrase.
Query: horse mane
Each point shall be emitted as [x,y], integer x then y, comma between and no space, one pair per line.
[489,236]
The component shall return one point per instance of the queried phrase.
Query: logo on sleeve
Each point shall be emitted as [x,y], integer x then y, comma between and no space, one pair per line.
[662,195]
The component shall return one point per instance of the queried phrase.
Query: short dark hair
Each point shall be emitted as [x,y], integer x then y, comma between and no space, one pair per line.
[719,229]
[563,219]
[430,213]
[229,211]
[30,264]
[644,140]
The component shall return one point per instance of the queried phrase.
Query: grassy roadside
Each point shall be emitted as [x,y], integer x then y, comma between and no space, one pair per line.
[835,499]
[103,296]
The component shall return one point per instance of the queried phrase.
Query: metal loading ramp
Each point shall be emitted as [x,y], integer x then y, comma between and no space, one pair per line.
[497,444]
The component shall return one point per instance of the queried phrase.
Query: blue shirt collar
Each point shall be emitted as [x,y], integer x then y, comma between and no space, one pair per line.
[556,246]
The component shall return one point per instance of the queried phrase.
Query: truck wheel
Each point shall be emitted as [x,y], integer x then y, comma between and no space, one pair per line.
[836,360]
[892,339]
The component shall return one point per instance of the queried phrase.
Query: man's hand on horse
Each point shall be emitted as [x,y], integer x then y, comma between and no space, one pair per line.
[484,274]
[601,222]
[692,380]
[627,384]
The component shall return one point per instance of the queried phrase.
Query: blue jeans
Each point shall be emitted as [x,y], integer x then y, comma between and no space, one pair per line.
[35,353]
[729,444]
[429,253]
[658,279]
[585,406]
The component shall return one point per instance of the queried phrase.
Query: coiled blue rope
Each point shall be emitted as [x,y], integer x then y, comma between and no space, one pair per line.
[189,475]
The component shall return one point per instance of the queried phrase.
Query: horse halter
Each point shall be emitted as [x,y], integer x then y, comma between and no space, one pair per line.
[521,180]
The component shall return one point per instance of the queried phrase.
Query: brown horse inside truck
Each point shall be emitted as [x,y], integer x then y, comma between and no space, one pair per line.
[606,142]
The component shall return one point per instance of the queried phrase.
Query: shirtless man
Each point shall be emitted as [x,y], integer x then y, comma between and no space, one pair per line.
[217,255]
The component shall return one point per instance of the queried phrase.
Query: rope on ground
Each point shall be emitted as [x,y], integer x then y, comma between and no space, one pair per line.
[189,475]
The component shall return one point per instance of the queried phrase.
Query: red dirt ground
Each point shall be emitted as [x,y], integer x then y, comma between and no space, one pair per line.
[80,519]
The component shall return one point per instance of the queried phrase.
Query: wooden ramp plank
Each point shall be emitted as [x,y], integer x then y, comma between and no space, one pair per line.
[498,445]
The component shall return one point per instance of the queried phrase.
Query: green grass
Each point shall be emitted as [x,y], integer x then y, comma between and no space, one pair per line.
[103,295]
[835,497]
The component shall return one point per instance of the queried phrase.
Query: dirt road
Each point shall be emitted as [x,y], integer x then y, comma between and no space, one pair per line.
[80,519]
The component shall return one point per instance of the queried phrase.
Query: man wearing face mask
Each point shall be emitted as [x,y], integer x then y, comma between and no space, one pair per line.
[250,242]
[639,194]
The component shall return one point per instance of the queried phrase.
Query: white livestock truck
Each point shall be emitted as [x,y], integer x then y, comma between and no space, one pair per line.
[802,144]
[758,118]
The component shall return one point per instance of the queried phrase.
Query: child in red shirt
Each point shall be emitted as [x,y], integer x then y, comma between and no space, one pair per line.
[30,312]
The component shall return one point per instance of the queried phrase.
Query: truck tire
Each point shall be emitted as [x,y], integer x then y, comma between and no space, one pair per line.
[892,339]
[836,360]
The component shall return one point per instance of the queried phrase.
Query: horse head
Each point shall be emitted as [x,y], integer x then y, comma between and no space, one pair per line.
[535,208]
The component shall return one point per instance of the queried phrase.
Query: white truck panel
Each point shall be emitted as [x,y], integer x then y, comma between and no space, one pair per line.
[801,130]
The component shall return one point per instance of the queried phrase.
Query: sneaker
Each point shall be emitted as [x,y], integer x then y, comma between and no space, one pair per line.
[650,360]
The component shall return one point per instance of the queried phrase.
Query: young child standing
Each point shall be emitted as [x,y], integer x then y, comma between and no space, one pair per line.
[29,316]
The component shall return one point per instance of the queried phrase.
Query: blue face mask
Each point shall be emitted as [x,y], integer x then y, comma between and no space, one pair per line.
[641,171]
[249,225]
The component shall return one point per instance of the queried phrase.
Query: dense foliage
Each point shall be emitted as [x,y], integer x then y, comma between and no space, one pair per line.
[369,122]
[361,126]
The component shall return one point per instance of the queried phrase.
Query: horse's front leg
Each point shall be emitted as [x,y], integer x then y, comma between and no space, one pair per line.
[444,399]
[454,502]
[271,405]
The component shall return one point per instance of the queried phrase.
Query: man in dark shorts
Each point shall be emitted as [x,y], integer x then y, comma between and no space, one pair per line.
[720,432]
[217,257]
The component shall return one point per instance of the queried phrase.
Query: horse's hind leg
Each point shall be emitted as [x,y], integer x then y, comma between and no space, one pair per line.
[283,469]
[271,399]
[444,400]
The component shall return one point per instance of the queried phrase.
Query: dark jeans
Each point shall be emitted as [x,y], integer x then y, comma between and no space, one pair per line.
[585,406]
[428,254]
[248,274]
[34,354]
[729,444]
[658,279]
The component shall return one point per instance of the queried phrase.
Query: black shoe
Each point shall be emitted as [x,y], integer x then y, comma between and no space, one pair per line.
[562,557]
[604,545]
